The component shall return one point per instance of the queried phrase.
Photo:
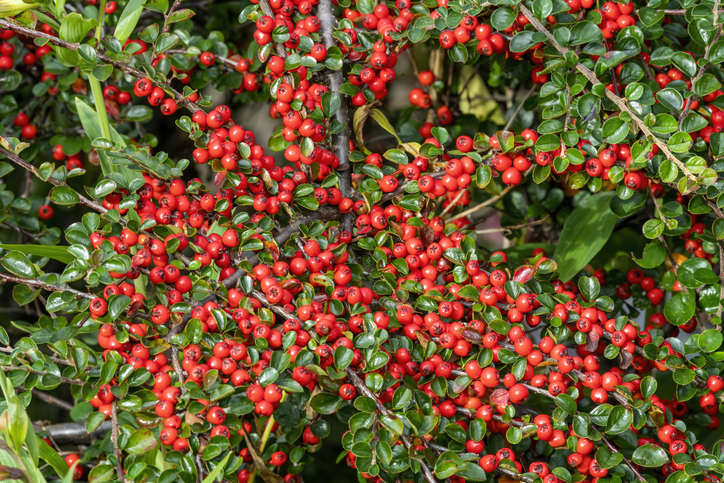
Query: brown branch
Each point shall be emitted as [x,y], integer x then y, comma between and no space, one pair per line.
[75,382]
[45,286]
[340,140]
[613,97]
[401,189]
[17,160]
[508,229]
[74,433]
[520,107]
[180,99]
[625,460]
[114,439]
[482,205]
[278,46]
[64,405]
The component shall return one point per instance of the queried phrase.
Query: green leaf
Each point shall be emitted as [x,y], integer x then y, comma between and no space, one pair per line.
[141,441]
[63,195]
[619,420]
[50,456]
[524,40]
[567,403]
[654,255]
[680,308]
[326,403]
[218,471]
[101,473]
[590,287]
[650,456]
[615,130]
[128,20]
[685,63]
[55,252]
[584,234]
[18,264]
[710,340]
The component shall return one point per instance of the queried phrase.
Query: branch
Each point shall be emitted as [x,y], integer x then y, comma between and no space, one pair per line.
[482,205]
[401,189]
[616,100]
[72,432]
[114,439]
[325,213]
[37,283]
[364,390]
[278,46]
[520,107]
[64,405]
[625,460]
[17,160]
[340,140]
[508,229]
[180,99]
[75,382]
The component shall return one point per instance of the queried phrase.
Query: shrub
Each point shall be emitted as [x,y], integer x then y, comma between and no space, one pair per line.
[224,326]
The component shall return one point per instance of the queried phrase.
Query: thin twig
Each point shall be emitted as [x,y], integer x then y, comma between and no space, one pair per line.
[453,203]
[482,205]
[64,405]
[45,286]
[508,229]
[520,107]
[75,382]
[17,160]
[185,102]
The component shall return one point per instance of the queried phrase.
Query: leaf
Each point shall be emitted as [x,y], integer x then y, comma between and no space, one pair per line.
[377,115]
[141,441]
[584,234]
[218,472]
[650,456]
[680,308]
[63,195]
[59,253]
[50,456]
[654,255]
[101,473]
[619,420]
[590,287]
[326,403]
[18,264]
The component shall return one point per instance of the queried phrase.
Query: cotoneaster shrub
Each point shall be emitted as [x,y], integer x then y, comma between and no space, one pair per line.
[216,331]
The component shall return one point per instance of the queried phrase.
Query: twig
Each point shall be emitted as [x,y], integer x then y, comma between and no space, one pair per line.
[75,382]
[401,189]
[520,107]
[364,390]
[278,46]
[74,433]
[66,406]
[625,460]
[482,205]
[37,283]
[114,439]
[508,229]
[340,140]
[453,203]
[17,160]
